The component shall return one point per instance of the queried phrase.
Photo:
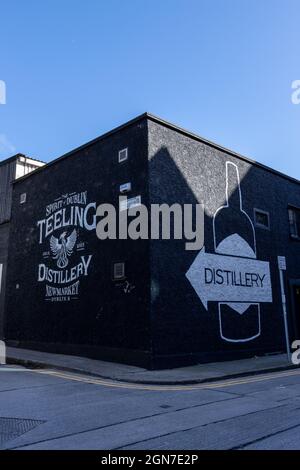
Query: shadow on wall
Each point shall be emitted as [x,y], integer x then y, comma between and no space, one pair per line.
[200,307]
[216,302]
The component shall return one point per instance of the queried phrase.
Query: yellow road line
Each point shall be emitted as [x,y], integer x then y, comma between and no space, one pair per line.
[136,386]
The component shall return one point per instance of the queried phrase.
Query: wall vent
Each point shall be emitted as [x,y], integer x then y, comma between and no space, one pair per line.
[123,155]
[262,218]
[125,188]
[119,271]
[23,198]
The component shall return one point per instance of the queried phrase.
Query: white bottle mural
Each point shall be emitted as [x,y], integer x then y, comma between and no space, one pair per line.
[234,235]
[232,276]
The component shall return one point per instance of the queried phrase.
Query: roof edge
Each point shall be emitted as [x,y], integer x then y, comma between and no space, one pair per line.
[84,146]
[16,157]
[171,126]
[194,136]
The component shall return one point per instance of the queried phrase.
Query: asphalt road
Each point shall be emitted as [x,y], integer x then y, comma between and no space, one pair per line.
[59,410]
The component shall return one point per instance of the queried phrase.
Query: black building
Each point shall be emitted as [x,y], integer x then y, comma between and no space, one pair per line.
[153,302]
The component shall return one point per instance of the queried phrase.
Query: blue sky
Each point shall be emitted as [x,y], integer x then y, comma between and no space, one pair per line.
[223,69]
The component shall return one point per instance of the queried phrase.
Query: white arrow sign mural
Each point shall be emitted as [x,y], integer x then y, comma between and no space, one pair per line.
[225,278]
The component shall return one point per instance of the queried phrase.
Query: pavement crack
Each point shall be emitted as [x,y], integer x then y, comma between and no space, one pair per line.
[121,422]
[254,441]
[34,387]
[192,428]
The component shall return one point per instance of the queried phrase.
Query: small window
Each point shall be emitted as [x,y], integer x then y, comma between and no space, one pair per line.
[119,271]
[262,218]
[294,219]
[123,155]
[125,188]
[23,198]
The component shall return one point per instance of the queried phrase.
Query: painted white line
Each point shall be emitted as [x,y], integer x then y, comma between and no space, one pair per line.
[155,387]
[201,386]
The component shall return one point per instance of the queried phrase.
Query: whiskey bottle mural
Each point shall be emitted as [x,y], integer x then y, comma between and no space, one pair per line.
[232,275]
[234,235]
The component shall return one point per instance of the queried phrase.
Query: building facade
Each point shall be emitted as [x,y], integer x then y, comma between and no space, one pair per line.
[10,169]
[153,302]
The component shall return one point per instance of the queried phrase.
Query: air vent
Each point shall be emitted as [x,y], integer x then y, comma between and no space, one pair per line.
[262,219]
[130,203]
[123,155]
[125,188]
[119,271]
[23,198]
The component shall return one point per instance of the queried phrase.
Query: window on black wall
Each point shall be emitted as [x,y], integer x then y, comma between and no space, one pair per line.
[294,219]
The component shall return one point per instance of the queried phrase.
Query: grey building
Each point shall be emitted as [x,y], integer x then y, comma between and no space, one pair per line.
[10,169]
[153,302]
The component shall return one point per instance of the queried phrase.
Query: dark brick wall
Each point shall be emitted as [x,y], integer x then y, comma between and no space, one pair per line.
[160,323]
[184,170]
[7,175]
[4,238]
[104,321]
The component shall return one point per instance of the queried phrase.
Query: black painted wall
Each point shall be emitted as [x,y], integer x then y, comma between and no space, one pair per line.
[185,170]
[4,241]
[105,320]
[7,175]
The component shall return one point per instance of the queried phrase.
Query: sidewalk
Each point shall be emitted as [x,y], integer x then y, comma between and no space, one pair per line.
[185,375]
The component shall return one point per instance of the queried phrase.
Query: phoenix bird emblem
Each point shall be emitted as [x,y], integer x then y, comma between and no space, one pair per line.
[62,247]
